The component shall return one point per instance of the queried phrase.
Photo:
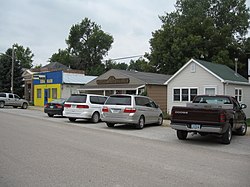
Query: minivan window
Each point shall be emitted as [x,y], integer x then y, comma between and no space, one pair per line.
[118,100]
[97,100]
[77,99]
[16,97]
[11,96]
[2,95]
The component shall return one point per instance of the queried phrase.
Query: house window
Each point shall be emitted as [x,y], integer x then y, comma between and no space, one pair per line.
[39,93]
[184,94]
[193,93]
[54,93]
[49,93]
[210,91]
[238,94]
[177,96]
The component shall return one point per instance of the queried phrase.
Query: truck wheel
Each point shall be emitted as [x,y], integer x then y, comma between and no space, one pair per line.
[24,106]
[242,130]
[95,117]
[182,135]
[1,104]
[110,124]
[140,123]
[227,136]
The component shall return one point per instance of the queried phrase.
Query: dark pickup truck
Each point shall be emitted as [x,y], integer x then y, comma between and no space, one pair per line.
[219,114]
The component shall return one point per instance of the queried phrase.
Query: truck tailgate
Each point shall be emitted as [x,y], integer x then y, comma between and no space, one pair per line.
[198,115]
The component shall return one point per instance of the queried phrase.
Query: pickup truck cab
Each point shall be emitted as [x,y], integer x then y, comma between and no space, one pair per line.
[9,99]
[218,114]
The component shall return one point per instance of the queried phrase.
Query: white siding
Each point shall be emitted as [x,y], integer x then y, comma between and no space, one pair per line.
[188,78]
[230,90]
[68,89]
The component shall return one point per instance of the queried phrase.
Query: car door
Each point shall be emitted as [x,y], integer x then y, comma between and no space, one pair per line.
[238,114]
[10,100]
[17,101]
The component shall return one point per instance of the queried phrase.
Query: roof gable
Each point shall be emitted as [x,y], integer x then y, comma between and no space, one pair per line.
[220,71]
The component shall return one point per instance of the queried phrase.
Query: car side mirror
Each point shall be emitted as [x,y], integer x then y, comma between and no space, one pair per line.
[243,106]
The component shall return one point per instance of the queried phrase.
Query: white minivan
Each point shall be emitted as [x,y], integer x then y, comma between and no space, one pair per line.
[84,106]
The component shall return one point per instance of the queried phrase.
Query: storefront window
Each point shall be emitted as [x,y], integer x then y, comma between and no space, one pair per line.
[54,93]
[39,93]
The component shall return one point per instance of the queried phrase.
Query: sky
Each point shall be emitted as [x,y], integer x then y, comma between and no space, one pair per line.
[44,25]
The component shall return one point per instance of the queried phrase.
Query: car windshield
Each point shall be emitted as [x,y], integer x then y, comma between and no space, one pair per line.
[118,100]
[77,99]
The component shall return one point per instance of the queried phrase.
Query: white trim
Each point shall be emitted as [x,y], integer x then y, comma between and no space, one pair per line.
[189,93]
[240,101]
[236,82]
[210,86]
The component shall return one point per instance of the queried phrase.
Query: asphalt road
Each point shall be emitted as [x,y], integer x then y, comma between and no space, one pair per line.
[36,150]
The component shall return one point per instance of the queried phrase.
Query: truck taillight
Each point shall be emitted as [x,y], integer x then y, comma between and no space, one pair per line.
[222,117]
[105,109]
[129,110]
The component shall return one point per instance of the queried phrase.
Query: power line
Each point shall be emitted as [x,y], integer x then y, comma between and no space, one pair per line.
[123,58]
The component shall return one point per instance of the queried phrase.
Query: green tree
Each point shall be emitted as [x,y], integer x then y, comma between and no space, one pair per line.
[63,57]
[88,44]
[5,74]
[140,65]
[24,56]
[214,30]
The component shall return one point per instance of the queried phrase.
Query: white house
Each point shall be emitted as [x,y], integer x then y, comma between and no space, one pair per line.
[198,77]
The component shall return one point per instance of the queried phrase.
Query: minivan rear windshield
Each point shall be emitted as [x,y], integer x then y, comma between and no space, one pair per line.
[118,100]
[77,99]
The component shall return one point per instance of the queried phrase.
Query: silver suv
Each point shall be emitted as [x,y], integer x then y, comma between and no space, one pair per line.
[131,109]
[84,106]
[9,99]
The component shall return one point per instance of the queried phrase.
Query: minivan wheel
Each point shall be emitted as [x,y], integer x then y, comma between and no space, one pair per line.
[140,123]
[24,106]
[242,130]
[182,135]
[95,117]
[110,124]
[160,120]
[227,136]
[1,104]
[72,119]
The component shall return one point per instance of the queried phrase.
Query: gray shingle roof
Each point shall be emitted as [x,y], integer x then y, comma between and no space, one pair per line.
[55,65]
[148,78]
[223,71]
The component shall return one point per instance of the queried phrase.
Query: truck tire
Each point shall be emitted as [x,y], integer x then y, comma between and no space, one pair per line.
[227,136]
[242,130]
[24,106]
[182,135]
[1,104]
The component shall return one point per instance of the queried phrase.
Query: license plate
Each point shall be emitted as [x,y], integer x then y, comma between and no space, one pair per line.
[51,106]
[196,126]
[116,110]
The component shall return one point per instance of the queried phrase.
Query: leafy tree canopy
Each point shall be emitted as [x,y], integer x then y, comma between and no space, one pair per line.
[214,30]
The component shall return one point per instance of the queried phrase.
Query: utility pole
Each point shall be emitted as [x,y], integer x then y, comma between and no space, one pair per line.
[12,70]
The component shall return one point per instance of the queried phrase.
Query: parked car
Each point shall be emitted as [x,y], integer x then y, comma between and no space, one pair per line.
[9,99]
[131,109]
[84,106]
[55,107]
[210,115]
